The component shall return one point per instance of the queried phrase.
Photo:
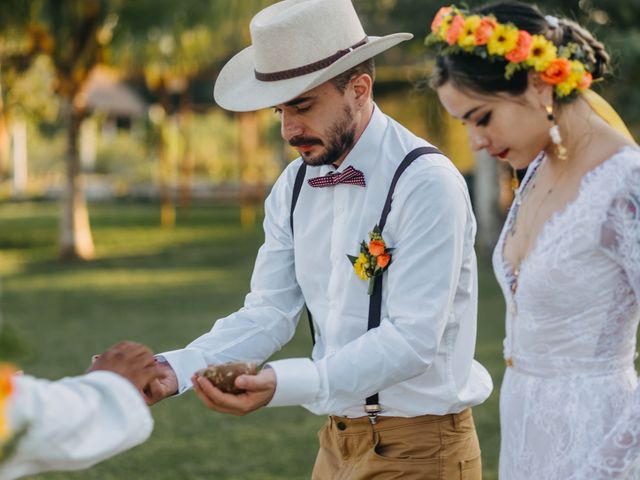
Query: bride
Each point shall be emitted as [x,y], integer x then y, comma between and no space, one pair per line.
[568,258]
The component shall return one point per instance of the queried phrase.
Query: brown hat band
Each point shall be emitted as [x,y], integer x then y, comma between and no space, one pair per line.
[310,68]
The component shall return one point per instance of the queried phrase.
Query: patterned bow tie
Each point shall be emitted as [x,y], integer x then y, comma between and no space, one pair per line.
[350,175]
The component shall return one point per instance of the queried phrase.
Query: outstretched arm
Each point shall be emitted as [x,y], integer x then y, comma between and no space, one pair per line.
[76,422]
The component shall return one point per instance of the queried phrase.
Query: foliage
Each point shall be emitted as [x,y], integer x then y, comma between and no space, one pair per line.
[164,288]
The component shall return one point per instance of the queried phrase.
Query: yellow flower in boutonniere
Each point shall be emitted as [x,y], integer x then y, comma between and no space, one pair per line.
[361,265]
[373,260]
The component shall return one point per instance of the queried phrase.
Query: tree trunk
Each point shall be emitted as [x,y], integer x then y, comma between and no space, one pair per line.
[19,156]
[88,144]
[167,207]
[187,163]
[487,201]
[76,241]
[4,140]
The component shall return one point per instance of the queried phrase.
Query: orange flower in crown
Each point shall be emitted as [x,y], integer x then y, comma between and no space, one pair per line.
[557,71]
[457,31]
[484,30]
[522,49]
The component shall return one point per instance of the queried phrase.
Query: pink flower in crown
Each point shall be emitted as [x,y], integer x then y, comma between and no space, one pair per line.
[437,20]
[455,29]
[585,83]
[523,47]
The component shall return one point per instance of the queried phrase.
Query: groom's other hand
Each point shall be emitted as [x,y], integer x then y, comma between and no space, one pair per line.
[133,361]
[258,392]
[165,385]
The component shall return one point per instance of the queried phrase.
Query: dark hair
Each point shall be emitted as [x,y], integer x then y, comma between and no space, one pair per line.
[341,81]
[472,72]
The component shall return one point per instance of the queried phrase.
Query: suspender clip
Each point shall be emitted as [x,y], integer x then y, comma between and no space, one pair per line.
[372,411]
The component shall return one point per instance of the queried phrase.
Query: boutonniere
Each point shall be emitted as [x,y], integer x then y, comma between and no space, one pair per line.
[373,260]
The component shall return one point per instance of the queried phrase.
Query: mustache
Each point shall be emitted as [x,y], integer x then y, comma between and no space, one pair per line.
[300,140]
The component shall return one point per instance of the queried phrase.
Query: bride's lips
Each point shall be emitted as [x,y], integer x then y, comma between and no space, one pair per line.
[503,154]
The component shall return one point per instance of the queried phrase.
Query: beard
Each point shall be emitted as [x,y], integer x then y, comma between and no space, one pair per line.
[340,137]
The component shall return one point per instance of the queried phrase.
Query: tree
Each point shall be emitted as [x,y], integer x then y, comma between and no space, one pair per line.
[72,33]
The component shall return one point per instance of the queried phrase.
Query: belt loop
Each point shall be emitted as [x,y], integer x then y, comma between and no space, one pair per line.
[454,421]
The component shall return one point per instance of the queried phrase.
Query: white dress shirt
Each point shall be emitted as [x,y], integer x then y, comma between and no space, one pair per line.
[74,423]
[420,358]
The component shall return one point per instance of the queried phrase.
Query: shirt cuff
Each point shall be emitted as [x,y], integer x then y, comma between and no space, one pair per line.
[184,363]
[297,382]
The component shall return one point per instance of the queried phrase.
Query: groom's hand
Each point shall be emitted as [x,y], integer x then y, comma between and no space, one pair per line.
[259,390]
[165,385]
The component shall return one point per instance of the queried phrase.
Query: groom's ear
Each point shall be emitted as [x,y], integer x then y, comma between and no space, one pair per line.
[361,86]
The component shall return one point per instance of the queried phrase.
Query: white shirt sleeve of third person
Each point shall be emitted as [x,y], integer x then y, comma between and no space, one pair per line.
[433,228]
[74,422]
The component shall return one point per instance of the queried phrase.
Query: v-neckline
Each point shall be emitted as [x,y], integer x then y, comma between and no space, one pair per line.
[511,272]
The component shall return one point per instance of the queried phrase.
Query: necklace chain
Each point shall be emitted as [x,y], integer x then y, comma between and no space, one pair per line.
[528,224]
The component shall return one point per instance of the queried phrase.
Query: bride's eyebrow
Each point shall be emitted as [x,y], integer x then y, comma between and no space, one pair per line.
[470,112]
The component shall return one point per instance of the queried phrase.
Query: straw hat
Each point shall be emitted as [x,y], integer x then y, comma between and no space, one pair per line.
[297,45]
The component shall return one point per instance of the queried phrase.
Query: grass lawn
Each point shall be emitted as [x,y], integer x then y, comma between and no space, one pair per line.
[164,288]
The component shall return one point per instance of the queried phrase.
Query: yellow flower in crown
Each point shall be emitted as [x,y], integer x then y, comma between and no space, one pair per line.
[467,38]
[457,31]
[503,39]
[542,53]
[576,76]
[445,24]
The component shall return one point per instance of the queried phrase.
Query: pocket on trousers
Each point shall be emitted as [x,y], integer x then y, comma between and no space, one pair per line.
[471,469]
[400,448]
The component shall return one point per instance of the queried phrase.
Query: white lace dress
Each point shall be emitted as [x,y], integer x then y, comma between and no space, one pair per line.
[570,402]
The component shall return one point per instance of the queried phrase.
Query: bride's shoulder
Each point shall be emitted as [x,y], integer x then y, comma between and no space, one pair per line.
[622,175]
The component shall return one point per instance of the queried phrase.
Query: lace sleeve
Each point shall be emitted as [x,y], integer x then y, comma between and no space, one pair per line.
[619,452]
[620,236]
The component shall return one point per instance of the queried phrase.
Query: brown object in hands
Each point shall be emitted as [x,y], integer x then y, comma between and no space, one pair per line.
[224,376]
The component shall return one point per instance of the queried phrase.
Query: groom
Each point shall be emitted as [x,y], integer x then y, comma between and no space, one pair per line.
[393,371]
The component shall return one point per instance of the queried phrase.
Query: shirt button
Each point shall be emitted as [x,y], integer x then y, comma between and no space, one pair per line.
[341,426]
[512,309]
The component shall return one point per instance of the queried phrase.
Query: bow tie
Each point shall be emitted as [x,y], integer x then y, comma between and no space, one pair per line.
[350,175]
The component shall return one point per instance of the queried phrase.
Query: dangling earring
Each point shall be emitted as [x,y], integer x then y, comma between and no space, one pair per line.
[515,182]
[554,133]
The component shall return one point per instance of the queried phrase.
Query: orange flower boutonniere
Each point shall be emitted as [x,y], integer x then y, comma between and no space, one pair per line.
[373,260]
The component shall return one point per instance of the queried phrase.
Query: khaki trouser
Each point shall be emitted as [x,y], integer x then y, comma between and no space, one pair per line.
[426,447]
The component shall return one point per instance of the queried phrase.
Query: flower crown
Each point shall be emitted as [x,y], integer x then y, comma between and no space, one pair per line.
[454,31]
